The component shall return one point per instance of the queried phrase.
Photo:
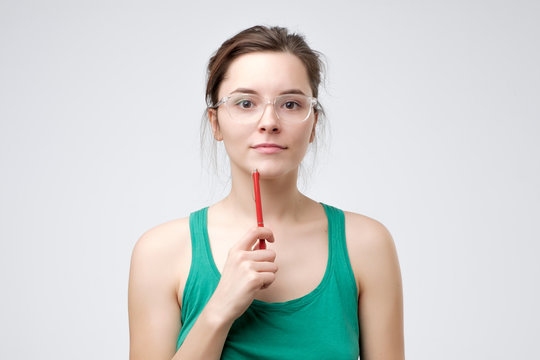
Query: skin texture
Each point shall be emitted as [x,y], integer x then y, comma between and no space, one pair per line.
[162,256]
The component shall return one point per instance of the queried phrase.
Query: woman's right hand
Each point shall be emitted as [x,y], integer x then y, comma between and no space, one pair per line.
[247,270]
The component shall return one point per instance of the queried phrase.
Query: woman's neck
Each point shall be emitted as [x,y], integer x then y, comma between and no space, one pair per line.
[281,200]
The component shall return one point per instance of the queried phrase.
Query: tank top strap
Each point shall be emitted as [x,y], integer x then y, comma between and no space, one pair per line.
[200,245]
[201,281]
[341,265]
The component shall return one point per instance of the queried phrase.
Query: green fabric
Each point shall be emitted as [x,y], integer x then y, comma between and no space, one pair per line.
[320,325]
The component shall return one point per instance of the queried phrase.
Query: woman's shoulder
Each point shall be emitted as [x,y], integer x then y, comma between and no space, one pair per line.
[365,230]
[165,237]
[370,246]
[159,264]
[163,253]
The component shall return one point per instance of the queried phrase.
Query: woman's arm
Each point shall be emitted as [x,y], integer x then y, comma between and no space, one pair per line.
[380,301]
[153,306]
[157,263]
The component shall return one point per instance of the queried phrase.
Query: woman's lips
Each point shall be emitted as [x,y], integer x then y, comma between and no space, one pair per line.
[268,148]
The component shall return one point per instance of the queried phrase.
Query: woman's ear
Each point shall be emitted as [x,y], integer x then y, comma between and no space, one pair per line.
[312,136]
[216,131]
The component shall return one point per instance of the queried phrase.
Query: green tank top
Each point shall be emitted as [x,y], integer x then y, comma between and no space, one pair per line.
[322,324]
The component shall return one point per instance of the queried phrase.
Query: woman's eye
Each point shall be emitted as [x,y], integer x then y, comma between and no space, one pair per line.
[291,105]
[245,104]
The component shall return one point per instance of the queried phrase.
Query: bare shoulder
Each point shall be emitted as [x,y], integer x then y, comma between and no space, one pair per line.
[371,248]
[364,231]
[163,254]
[163,241]
[170,236]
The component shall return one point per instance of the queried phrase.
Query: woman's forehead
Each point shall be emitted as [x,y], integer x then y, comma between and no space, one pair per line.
[267,73]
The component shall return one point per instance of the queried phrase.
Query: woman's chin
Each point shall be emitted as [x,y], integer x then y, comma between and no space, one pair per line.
[274,172]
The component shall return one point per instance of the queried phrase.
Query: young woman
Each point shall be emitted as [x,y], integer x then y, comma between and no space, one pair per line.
[327,286]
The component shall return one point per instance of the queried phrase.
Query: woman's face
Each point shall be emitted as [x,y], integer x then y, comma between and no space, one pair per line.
[270,145]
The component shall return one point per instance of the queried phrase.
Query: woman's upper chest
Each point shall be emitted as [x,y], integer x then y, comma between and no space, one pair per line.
[301,257]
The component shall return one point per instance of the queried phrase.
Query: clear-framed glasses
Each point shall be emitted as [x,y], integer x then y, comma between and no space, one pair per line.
[248,108]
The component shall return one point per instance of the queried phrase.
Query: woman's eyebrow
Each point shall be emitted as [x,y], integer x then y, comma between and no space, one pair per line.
[251,91]
[292,91]
[244,91]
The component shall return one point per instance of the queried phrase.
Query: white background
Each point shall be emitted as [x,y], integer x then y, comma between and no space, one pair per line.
[433,108]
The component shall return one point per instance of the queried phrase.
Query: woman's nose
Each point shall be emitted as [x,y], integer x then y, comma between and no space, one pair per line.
[269,121]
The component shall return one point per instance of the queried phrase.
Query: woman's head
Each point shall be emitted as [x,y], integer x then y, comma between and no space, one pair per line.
[268,62]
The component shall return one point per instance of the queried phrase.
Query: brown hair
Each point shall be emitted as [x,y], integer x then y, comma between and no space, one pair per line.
[262,38]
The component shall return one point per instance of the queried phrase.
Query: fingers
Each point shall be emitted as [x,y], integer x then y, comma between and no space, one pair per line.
[251,238]
[265,273]
[258,245]
[262,255]
[265,266]
[261,261]
[267,279]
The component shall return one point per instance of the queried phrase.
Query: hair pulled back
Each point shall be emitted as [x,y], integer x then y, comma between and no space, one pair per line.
[256,39]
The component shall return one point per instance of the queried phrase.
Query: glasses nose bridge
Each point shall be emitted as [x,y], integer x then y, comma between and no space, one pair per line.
[265,105]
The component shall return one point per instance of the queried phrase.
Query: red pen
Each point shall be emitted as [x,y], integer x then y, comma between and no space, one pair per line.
[258,205]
